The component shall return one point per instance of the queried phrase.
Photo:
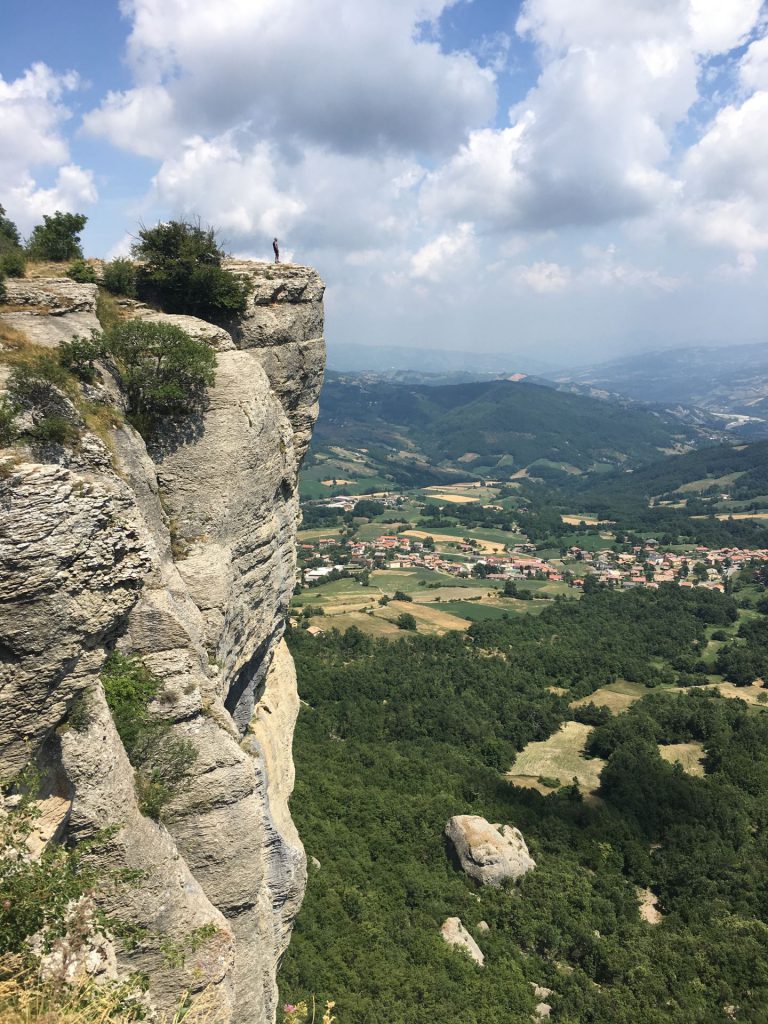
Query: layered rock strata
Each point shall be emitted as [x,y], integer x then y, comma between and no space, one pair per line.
[183,555]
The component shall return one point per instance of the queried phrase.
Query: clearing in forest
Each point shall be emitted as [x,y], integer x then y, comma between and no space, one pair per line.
[617,697]
[560,757]
[690,756]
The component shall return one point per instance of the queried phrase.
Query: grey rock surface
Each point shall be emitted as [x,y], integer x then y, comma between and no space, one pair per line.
[491,854]
[50,310]
[183,555]
[283,325]
[455,934]
[219,339]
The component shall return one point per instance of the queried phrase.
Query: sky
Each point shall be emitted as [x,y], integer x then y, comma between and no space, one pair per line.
[560,180]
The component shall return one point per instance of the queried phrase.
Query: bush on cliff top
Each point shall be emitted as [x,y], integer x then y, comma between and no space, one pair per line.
[181,269]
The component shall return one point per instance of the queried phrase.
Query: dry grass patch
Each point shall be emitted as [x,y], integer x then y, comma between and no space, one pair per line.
[560,757]
[457,499]
[617,697]
[486,546]
[690,756]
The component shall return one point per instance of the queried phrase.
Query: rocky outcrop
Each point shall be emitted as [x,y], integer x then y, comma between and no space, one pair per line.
[50,310]
[455,934]
[184,555]
[491,854]
[283,326]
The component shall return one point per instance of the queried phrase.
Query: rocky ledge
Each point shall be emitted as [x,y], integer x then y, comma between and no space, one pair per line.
[183,555]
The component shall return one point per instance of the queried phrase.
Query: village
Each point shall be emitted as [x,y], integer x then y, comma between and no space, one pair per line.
[643,565]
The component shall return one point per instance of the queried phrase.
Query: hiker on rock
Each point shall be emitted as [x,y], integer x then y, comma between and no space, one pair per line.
[276,249]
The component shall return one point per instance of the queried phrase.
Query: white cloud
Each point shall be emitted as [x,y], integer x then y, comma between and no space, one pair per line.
[32,116]
[743,267]
[602,269]
[542,277]
[336,73]
[444,254]
[237,190]
[592,141]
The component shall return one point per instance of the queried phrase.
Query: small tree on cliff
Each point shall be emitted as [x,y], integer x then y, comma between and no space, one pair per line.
[165,372]
[181,269]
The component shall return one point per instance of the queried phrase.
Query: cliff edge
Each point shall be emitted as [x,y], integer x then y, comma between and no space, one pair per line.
[182,554]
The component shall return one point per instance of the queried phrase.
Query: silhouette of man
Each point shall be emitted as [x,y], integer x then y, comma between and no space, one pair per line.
[276,249]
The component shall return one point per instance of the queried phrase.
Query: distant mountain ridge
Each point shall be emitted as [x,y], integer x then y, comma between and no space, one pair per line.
[492,428]
[729,383]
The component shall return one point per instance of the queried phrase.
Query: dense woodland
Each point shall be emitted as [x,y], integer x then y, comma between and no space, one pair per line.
[395,737]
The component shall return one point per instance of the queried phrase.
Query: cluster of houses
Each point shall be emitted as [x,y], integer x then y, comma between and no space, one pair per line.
[644,566]
[648,566]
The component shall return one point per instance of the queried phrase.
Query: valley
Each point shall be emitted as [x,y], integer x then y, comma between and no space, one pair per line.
[577,647]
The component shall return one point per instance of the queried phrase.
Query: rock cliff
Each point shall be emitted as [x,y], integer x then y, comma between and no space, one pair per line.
[183,555]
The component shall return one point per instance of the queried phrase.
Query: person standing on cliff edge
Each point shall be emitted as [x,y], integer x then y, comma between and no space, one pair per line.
[276,249]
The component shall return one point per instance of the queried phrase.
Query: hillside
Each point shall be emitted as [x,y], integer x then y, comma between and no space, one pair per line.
[493,428]
[730,382]
[741,472]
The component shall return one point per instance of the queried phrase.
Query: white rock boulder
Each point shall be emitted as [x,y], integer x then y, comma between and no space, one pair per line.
[455,934]
[490,854]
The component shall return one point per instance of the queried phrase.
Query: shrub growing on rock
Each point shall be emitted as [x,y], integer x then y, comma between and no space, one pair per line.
[13,263]
[79,354]
[57,238]
[161,759]
[82,272]
[119,277]
[165,372]
[181,269]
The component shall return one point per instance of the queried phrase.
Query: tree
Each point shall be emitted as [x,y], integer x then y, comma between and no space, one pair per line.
[9,233]
[12,262]
[165,372]
[119,277]
[406,621]
[181,268]
[58,237]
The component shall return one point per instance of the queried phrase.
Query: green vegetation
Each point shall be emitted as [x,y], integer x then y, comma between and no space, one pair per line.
[39,386]
[181,269]
[57,238]
[119,277]
[162,759]
[79,355]
[406,621]
[82,272]
[507,426]
[12,261]
[166,373]
[34,894]
[397,736]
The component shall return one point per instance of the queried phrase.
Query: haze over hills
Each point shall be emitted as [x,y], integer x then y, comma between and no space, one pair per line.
[396,360]
[729,382]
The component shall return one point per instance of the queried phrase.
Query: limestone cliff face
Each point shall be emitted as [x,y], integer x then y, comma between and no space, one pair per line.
[184,555]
